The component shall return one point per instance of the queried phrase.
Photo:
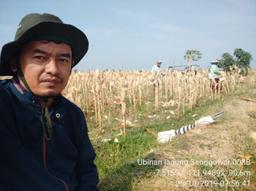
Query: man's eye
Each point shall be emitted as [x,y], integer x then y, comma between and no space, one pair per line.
[64,60]
[40,58]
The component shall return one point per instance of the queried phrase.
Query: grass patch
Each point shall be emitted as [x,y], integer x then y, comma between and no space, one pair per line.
[118,161]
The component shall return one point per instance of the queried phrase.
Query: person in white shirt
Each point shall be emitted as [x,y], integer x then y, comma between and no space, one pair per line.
[156,68]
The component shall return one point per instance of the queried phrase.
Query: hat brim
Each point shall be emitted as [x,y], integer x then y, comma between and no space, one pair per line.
[72,35]
[214,61]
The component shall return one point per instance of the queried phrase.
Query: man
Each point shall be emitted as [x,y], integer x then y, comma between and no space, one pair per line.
[44,144]
[156,68]
[214,75]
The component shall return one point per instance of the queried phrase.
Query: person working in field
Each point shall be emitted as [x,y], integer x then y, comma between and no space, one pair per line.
[156,68]
[156,73]
[44,143]
[214,75]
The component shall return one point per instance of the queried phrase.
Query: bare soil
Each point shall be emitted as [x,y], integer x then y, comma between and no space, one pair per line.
[229,144]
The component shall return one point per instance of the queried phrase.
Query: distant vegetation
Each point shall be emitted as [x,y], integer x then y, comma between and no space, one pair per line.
[192,55]
[240,60]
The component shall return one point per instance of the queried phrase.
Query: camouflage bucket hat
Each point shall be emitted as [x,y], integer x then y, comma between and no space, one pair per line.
[43,27]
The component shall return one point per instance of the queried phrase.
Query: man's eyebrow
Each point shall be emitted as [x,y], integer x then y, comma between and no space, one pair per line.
[67,55]
[39,51]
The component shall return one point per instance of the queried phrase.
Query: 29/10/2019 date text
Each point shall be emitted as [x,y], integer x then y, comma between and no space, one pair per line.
[212,183]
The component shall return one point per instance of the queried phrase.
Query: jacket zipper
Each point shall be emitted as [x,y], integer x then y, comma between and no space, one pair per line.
[45,164]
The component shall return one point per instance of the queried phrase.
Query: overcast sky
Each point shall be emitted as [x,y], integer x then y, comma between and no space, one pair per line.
[133,34]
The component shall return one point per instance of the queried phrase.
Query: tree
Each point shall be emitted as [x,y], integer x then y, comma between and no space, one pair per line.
[242,60]
[227,62]
[192,55]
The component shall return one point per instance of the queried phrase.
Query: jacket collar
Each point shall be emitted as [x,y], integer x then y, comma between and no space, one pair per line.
[26,97]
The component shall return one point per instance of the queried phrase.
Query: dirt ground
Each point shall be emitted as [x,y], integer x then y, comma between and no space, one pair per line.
[220,156]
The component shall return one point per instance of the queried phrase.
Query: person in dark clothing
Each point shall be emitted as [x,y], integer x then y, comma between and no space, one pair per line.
[44,143]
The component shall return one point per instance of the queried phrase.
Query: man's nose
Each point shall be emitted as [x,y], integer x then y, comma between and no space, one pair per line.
[52,67]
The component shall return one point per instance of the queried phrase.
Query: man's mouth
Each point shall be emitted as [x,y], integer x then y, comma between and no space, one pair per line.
[51,81]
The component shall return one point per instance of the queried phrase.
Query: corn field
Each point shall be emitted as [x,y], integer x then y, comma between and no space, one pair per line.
[121,96]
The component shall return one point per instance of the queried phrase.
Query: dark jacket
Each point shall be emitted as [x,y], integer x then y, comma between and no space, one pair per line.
[28,162]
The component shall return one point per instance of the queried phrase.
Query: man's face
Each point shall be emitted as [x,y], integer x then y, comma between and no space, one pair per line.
[46,66]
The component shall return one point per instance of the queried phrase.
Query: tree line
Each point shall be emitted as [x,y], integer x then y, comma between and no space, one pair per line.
[239,60]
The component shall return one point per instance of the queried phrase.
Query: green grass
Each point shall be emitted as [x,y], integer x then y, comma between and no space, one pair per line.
[117,162]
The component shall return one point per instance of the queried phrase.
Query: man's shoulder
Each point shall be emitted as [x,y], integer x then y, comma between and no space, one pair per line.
[5,95]
[3,82]
[3,87]
[72,107]
[214,66]
[74,115]
[155,68]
